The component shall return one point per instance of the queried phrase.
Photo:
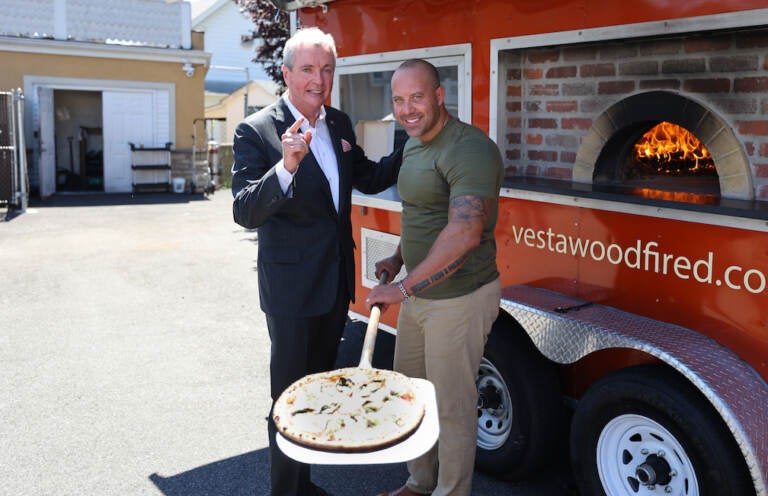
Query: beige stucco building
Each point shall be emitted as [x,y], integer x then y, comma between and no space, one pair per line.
[98,76]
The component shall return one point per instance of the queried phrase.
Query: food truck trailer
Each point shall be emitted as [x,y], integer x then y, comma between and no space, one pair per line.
[632,233]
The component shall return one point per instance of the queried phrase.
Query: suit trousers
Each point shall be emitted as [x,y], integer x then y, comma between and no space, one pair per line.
[300,347]
[443,341]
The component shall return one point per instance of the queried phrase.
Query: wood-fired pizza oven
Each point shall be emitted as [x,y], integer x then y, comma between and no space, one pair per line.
[606,113]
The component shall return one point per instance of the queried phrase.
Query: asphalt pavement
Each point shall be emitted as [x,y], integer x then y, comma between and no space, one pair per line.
[134,356]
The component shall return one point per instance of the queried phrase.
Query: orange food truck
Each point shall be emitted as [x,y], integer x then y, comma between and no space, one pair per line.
[633,227]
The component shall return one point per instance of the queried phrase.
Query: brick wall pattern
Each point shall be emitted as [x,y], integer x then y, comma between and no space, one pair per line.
[554,95]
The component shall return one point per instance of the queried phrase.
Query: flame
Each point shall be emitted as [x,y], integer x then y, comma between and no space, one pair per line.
[669,145]
[676,196]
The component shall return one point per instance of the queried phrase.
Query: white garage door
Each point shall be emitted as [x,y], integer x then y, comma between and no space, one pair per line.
[47,150]
[139,117]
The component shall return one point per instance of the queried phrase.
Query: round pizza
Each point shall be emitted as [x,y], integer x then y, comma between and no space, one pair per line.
[349,410]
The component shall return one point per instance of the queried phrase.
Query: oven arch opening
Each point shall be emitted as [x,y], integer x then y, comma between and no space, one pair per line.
[605,149]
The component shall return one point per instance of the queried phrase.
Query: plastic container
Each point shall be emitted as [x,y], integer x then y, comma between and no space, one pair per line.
[179,184]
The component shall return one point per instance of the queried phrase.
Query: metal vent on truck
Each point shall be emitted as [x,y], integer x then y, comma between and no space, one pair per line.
[376,245]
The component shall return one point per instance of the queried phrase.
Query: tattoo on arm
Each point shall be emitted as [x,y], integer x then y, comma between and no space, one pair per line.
[469,208]
[435,278]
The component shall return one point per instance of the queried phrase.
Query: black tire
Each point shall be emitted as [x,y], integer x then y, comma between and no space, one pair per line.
[520,408]
[651,417]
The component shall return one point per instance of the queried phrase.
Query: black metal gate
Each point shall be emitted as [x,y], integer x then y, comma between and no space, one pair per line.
[6,147]
[14,182]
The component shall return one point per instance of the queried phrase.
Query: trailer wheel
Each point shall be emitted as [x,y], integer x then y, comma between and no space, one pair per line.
[520,411]
[646,431]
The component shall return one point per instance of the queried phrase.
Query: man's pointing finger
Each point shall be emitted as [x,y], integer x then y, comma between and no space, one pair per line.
[296,125]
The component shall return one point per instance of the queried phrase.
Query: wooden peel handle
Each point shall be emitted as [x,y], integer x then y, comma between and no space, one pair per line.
[366,357]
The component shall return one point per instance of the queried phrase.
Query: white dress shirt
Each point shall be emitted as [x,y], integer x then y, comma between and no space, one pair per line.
[321,146]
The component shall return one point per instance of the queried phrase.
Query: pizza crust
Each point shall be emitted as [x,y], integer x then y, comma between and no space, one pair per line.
[350,410]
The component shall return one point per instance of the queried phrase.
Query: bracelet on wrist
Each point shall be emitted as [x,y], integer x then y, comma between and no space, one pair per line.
[402,289]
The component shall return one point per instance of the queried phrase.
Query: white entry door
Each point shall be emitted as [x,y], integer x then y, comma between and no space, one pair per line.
[129,117]
[47,151]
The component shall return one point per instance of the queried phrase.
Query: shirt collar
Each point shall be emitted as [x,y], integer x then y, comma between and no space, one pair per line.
[296,114]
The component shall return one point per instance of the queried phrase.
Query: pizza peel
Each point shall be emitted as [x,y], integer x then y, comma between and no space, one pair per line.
[416,444]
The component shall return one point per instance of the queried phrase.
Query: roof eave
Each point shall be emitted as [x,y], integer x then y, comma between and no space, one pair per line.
[101,50]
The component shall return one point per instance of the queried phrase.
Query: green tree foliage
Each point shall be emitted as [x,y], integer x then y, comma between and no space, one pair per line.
[272,27]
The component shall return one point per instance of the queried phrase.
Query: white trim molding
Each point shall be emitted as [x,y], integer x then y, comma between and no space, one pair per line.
[459,55]
[84,49]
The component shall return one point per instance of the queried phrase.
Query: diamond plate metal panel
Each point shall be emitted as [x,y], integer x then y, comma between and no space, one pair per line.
[566,329]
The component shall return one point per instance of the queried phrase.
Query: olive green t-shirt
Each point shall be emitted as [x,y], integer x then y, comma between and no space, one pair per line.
[461,160]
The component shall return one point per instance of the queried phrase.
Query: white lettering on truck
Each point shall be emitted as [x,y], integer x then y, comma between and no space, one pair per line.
[643,255]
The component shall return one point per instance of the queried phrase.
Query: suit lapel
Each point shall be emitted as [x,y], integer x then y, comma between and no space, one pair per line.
[283,118]
[309,171]
[344,179]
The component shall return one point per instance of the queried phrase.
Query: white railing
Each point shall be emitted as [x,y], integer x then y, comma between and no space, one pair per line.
[154,23]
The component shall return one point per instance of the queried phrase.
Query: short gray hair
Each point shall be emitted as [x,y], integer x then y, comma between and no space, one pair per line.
[311,36]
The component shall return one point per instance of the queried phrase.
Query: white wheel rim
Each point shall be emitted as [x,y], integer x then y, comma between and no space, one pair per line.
[493,422]
[626,443]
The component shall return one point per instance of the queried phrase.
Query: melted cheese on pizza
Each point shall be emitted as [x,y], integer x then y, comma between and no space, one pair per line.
[350,408]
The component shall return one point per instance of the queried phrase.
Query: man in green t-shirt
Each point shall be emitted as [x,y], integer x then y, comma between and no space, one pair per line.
[449,183]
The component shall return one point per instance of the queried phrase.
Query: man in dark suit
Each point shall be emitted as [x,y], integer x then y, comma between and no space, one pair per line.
[296,163]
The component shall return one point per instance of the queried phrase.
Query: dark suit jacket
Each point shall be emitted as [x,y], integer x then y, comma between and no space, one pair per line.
[303,243]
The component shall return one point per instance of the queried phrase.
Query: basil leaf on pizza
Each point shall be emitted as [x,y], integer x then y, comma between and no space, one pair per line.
[349,410]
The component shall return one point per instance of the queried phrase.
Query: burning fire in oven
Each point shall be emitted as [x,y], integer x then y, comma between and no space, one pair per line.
[670,150]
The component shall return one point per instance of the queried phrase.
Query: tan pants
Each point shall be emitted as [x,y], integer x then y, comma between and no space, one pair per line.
[443,341]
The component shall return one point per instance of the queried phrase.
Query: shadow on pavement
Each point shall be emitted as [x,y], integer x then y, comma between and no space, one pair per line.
[248,475]
[109,199]
[241,475]
[8,214]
